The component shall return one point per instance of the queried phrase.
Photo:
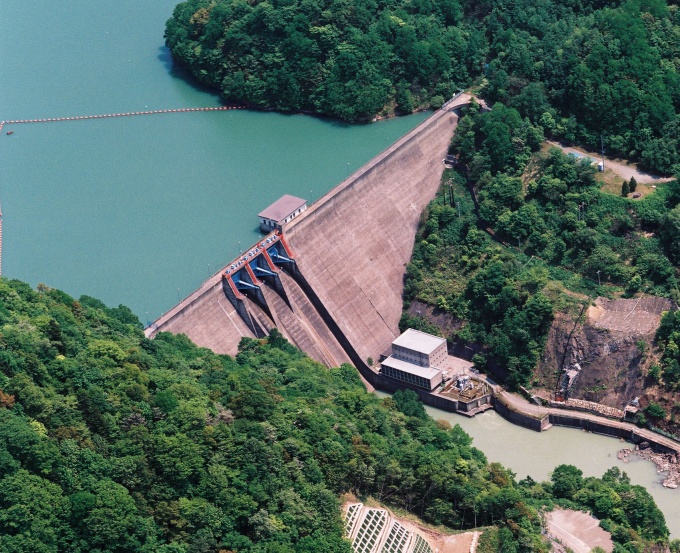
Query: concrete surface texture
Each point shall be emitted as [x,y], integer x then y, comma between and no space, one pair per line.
[208,318]
[352,246]
[578,531]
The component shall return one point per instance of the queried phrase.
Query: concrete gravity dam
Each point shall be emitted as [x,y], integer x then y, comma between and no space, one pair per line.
[332,280]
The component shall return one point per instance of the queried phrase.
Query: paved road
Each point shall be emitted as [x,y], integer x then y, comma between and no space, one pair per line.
[621,168]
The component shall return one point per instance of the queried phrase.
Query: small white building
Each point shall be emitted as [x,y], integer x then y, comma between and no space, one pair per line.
[283,210]
[416,359]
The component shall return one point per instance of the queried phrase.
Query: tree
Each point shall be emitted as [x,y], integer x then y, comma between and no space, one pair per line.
[669,232]
[566,480]
[407,402]
[625,189]
[655,411]
[33,514]
[632,184]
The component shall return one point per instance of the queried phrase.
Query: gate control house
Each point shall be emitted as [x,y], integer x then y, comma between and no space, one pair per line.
[283,210]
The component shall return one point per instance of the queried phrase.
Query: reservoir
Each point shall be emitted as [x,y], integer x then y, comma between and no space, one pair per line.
[140,210]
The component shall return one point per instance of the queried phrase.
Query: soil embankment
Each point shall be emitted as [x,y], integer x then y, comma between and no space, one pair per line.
[578,531]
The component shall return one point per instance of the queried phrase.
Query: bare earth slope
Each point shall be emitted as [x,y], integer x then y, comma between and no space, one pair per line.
[605,344]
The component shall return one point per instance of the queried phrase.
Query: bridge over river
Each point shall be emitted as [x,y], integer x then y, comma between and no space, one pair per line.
[332,281]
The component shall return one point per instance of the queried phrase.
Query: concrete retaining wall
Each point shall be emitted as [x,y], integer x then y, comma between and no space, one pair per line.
[521,419]
[605,429]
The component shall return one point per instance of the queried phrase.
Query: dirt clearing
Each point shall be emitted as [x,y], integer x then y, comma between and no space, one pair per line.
[578,531]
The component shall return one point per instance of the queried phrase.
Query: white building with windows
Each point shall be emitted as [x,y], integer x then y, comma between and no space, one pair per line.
[282,211]
[416,359]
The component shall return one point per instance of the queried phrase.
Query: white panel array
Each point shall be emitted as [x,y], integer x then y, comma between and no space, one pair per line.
[421,546]
[369,534]
[374,530]
[397,540]
[352,516]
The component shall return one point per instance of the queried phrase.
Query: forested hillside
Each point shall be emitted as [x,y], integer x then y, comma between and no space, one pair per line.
[551,231]
[110,442]
[589,71]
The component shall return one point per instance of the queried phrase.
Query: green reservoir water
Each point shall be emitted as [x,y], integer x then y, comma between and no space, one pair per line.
[140,210]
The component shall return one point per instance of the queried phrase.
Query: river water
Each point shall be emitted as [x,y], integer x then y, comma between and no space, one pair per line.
[139,210]
[529,453]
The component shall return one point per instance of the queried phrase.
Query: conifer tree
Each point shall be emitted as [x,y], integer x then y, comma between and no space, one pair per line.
[625,189]
[632,184]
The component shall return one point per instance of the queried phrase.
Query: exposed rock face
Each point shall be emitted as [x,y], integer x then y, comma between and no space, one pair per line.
[610,344]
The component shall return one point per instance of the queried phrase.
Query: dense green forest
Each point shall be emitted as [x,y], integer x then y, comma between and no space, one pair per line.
[589,71]
[514,227]
[110,442]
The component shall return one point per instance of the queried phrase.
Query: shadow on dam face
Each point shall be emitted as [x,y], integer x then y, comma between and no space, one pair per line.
[339,298]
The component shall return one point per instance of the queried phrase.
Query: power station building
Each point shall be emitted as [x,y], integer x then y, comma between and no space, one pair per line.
[416,359]
[282,211]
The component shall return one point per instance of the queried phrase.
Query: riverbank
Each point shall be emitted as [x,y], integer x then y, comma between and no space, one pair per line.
[665,463]
[519,411]
[536,454]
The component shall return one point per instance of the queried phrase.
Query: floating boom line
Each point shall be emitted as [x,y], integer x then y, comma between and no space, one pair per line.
[109,115]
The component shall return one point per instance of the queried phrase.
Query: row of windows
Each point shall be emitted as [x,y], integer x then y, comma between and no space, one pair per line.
[407,377]
[418,358]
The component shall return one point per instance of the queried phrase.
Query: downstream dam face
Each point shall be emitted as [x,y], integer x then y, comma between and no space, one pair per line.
[332,281]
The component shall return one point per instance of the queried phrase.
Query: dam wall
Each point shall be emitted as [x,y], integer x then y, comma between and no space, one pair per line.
[520,418]
[332,284]
[352,246]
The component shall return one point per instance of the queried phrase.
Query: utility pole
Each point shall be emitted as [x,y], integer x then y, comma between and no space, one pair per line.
[602,148]
[599,283]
